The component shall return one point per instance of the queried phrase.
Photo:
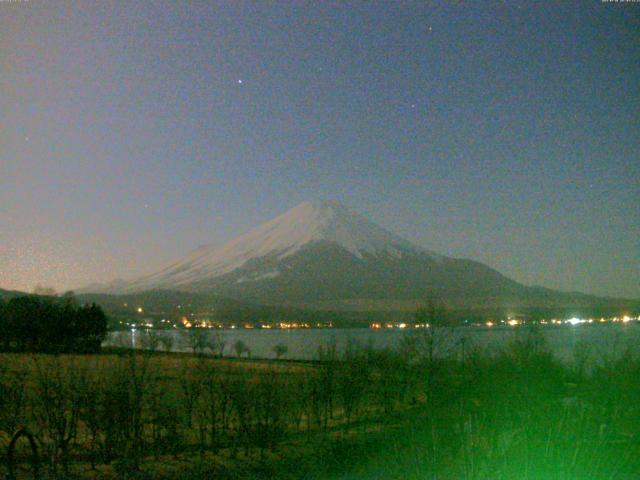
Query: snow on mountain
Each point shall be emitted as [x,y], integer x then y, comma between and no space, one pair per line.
[262,276]
[324,255]
[309,222]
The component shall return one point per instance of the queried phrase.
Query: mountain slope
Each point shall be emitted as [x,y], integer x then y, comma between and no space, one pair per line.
[323,271]
[308,223]
[9,294]
[324,254]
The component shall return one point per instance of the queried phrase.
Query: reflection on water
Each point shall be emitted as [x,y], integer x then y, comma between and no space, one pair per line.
[602,341]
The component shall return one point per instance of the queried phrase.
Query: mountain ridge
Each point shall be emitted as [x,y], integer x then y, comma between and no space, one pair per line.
[308,222]
[320,253]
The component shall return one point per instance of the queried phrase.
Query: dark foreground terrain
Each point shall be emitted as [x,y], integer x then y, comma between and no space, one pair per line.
[416,413]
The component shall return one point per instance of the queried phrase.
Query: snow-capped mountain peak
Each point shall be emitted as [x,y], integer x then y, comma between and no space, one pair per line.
[324,255]
[331,221]
[309,222]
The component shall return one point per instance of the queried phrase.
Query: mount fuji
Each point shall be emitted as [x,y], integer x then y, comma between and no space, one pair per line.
[324,255]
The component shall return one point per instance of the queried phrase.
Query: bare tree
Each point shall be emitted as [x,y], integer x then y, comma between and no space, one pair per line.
[270,404]
[325,385]
[12,397]
[434,336]
[195,339]
[352,380]
[166,340]
[150,340]
[216,343]
[91,390]
[191,381]
[214,405]
[280,350]
[242,396]
[57,404]
[240,347]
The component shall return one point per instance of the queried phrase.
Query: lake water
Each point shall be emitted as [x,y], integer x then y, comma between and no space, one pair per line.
[603,340]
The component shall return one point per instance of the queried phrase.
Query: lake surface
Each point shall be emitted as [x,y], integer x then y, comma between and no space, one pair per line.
[603,340]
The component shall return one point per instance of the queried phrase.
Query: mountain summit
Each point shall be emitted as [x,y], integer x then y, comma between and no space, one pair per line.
[306,224]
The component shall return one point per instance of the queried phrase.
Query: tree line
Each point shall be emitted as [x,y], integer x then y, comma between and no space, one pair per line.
[48,324]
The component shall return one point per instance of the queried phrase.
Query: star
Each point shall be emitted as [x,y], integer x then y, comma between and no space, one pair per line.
[240,81]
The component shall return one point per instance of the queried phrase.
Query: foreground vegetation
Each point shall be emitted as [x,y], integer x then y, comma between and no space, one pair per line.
[50,324]
[416,413]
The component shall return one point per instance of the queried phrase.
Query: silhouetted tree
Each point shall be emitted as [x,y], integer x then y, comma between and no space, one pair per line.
[240,347]
[280,350]
[4,336]
[150,340]
[54,325]
[216,343]
[166,340]
[195,339]
[434,337]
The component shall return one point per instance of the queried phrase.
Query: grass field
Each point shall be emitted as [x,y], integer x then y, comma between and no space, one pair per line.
[517,413]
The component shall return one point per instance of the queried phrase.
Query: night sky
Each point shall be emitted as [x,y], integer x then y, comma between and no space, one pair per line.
[132,132]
